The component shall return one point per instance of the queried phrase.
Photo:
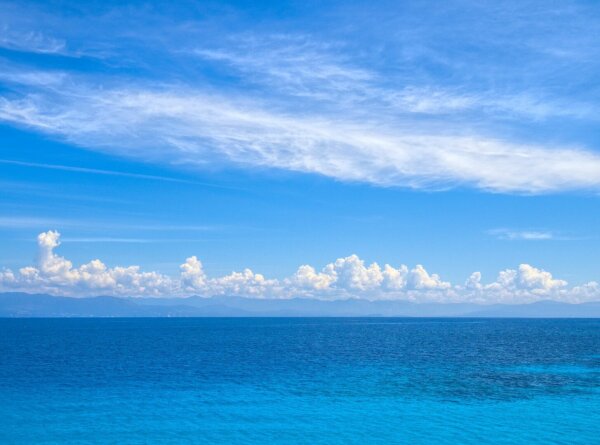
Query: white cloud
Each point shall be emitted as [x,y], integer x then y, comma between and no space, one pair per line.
[186,127]
[299,66]
[527,278]
[348,277]
[56,275]
[192,274]
[306,278]
[473,282]
[31,41]
[95,171]
[352,274]
[524,235]
[21,222]
[391,112]
[294,64]
[419,278]
[245,283]
[525,284]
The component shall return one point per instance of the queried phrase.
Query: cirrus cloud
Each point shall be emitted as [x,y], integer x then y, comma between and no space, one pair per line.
[195,129]
[396,109]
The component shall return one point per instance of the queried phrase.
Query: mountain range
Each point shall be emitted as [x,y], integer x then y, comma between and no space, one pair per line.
[40,305]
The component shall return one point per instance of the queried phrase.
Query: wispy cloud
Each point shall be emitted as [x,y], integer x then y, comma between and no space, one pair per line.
[293,64]
[407,113]
[300,66]
[30,41]
[28,222]
[103,239]
[35,222]
[41,190]
[26,76]
[196,129]
[94,171]
[527,235]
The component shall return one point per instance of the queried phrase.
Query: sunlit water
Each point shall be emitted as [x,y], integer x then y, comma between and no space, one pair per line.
[300,381]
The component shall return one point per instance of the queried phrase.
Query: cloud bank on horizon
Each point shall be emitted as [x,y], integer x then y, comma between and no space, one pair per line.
[344,278]
[402,108]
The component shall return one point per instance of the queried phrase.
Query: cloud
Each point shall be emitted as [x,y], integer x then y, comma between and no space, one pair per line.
[17,75]
[293,63]
[104,239]
[524,235]
[530,235]
[26,222]
[527,277]
[527,284]
[298,65]
[55,274]
[348,277]
[409,109]
[192,274]
[196,129]
[95,171]
[245,283]
[31,41]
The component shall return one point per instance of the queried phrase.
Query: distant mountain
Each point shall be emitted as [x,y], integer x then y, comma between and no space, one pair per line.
[540,309]
[39,305]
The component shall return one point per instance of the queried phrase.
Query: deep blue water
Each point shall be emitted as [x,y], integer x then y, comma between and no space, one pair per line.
[299,381]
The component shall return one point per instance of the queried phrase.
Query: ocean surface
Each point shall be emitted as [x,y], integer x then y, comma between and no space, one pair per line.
[299,381]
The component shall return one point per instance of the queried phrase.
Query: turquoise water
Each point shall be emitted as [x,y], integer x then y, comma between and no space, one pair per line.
[299,381]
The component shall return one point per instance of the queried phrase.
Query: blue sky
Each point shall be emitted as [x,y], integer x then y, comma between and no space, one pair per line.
[462,136]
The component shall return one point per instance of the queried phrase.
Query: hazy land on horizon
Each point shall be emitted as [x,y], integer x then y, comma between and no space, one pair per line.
[41,305]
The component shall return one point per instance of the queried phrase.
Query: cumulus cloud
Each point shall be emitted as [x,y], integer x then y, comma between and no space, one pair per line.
[245,283]
[192,274]
[524,284]
[55,274]
[306,277]
[348,277]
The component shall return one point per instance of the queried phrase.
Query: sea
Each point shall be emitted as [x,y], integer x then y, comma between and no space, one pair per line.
[299,381]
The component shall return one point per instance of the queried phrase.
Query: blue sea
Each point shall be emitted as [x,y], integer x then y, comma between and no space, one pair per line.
[299,381]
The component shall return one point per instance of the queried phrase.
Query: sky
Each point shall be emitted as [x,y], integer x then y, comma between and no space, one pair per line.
[429,151]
